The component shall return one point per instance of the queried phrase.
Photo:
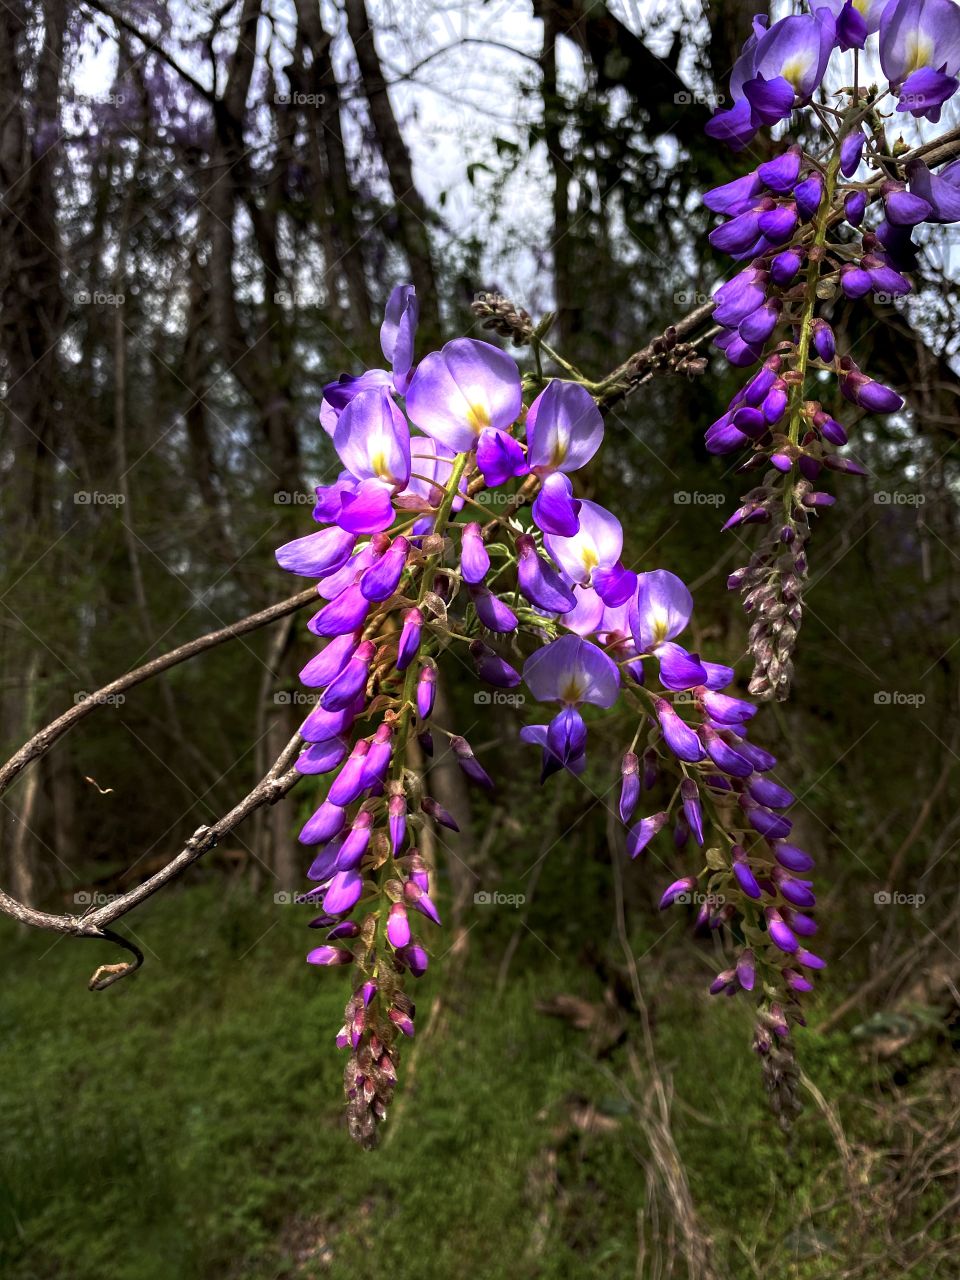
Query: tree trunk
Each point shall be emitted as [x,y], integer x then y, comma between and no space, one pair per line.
[412,213]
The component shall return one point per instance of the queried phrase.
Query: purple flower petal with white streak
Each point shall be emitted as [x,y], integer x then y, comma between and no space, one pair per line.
[662,609]
[572,671]
[373,439]
[917,34]
[458,391]
[564,428]
[597,544]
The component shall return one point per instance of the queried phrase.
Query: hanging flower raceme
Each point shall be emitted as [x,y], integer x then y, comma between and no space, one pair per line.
[407,562]
[712,783]
[796,223]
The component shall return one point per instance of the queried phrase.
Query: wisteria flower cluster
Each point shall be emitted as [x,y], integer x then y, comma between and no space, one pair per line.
[407,563]
[799,223]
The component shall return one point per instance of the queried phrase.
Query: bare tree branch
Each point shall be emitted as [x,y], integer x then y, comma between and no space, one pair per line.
[278,780]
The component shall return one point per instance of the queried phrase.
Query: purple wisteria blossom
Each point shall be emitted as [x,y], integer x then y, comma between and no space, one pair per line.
[462,391]
[397,336]
[409,561]
[920,53]
[573,672]
[777,70]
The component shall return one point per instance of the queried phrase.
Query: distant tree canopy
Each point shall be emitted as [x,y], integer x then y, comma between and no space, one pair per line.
[195,245]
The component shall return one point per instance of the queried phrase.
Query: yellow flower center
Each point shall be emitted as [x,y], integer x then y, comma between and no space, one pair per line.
[378,462]
[794,70]
[573,690]
[919,52]
[478,417]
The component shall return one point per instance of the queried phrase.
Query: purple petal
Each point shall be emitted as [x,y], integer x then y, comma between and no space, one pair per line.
[318,553]
[373,439]
[573,671]
[555,510]
[458,391]
[564,428]
[662,609]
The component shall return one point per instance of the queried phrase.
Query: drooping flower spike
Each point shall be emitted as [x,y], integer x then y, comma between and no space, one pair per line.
[399,577]
[805,228]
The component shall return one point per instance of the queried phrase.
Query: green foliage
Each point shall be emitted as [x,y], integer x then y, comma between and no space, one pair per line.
[187,1123]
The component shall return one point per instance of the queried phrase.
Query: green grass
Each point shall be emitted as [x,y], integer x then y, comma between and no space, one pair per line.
[187,1123]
